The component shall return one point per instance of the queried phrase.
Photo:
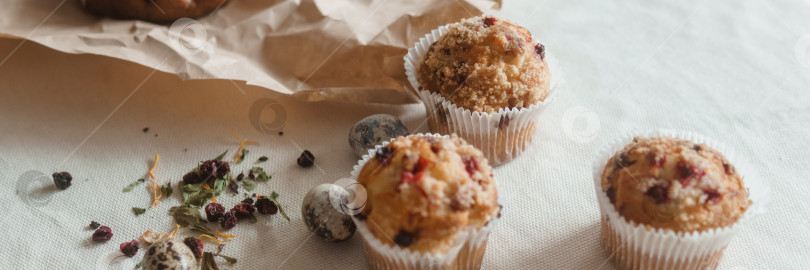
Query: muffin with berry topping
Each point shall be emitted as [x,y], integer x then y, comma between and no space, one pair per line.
[668,185]
[430,196]
[484,78]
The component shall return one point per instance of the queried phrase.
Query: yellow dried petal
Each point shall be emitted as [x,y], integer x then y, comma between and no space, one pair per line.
[228,236]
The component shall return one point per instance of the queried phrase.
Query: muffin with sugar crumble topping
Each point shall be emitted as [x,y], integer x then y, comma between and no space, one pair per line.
[485,79]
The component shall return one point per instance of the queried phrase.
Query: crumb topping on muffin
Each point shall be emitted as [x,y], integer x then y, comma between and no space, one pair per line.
[484,64]
[423,190]
[674,184]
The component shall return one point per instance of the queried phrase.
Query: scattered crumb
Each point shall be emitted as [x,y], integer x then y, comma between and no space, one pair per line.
[145,130]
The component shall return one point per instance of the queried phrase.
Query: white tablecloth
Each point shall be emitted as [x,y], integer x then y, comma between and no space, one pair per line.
[736,71]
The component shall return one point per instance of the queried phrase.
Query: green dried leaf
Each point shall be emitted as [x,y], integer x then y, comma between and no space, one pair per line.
[138,211]
[221,156]
[248,184]
[186,215]
[242,156]
[256,169]
[208,262]
[189,189]
[219,186]
[230,260]
[133,185]
[202,229]
[200,197]
[263,177]
[139,265]
[167,189]
[273,198]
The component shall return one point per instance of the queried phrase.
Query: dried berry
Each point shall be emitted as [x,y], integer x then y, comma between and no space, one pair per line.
[228,220]
[470,164]
[540,50]
[195,245]
[213,169]
[461,79]
[192,178]
[489,21]
[658,193]
[129,248]
[687,171]
[306,159]
[403,238]
[248,200]
[712,195]
[103,233]
[214,211]
[62,180]
[94,225]
[383,153]
[728,168]
[622,161]
[233,187]
[696,147]
[611,193]
[656,161]
[243,210]
[240,176]
[265,206]
[503,122]
[263,158]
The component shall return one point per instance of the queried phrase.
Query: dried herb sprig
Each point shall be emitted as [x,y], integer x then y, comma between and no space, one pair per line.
[261,175]
[274,198]
[132,186]
[208,262]
[221,156]
[186,215]
[167,189]
[202,229]
[228,259]
[138,211]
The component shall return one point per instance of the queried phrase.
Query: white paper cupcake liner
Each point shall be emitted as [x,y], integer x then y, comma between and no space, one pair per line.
[501,136]
[636,247]
[467,253]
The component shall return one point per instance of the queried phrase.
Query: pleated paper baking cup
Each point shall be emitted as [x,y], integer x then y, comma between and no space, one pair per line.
[501,136]
[634,246]
[467,252]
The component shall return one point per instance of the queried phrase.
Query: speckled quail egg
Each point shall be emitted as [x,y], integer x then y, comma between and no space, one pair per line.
[322,213]
[170,255]
[373,130]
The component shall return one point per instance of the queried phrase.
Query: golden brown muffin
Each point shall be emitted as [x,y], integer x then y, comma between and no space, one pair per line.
[159,11]
[423,190]
[484,64]
[674,184]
